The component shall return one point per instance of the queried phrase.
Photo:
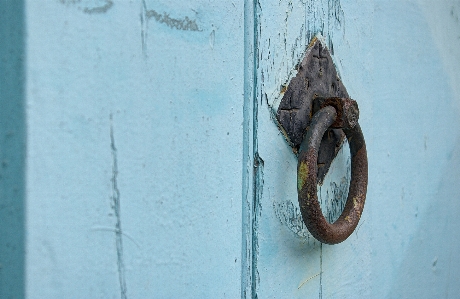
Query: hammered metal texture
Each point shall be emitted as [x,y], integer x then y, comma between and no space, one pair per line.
[316,77]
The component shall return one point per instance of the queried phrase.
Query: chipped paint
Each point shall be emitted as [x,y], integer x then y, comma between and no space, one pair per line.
[184,23]
[325,21]
[258,194]
[289,216]
[90,6]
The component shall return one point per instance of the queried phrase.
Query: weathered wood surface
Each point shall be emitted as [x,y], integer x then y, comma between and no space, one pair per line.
[140,159]
[400,61]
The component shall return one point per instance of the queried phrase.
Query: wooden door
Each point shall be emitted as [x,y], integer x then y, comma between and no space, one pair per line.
[399,60]
[140,159]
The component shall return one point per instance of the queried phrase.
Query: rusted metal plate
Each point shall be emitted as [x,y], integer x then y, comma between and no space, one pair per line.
[316,77]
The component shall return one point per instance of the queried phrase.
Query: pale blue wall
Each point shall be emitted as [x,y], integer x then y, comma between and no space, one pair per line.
[416,150]
[148,95]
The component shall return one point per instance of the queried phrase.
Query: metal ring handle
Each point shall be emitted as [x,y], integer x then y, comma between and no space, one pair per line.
[307,169]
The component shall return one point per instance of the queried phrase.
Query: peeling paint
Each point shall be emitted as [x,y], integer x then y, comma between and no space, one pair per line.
[289,215]
[212,38]
[90,6]
[324,17]
[258,192]
[249,147]
[185,23]
[99,9]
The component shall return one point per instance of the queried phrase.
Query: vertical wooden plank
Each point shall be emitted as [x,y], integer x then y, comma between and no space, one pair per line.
[135,112]
[399,61]
[249,136]
[12,149]
[285,254]
[290,262]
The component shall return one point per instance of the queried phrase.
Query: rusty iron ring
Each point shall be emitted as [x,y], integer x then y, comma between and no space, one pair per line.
[307,169]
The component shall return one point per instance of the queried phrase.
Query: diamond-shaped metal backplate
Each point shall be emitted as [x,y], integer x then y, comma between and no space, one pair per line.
[316,77]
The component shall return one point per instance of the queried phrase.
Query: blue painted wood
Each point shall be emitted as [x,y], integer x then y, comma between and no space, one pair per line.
[400,61]
[139,156]
[134,113]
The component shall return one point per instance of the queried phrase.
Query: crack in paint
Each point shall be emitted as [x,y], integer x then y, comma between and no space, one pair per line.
[289,215]
[321,272]
[258,166]
[246,254]
[111,229]
[307,280]
[252,164]
[258,190]
[143,28]
[117,212]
